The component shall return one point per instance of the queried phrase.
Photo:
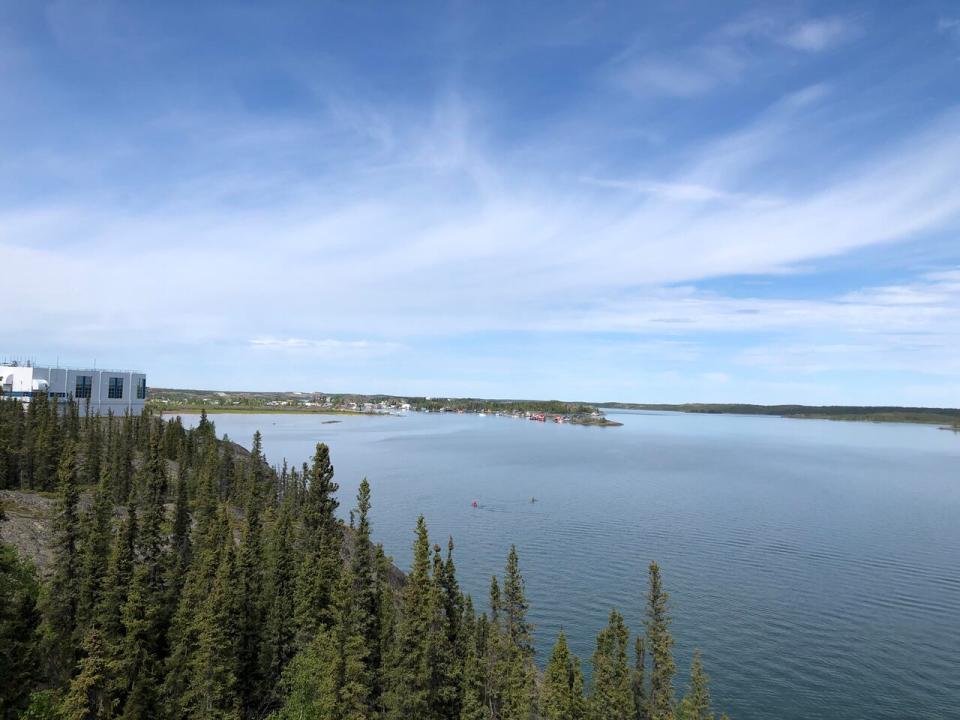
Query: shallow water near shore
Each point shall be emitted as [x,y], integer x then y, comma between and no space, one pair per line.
[816,564]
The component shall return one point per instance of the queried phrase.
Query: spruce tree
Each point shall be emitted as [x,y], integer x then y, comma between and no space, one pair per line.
[561,693]
[447,653]
[515,607]
[387,611]
[639,686]
[279,641]
[45,442]
[19,632]
[144,613]
[696,703]
[117,582]
[184,634]
[61,597]
[496,659]
[95,553]
[365,580]
[320,566]
[260,485]
[307,685]
[612,696]
[576,689]
[91,452]
[473,706]
[140,660]
[207,489]
[251,617]
[518,675]
[353,682]
[410,672]
[121,463]
[660,701]
[91,693]
[212,691]
[178,564]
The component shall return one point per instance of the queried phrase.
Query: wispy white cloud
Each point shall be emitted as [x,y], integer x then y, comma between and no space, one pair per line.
[685,73]
[725,56]
[949,25]
[820,34]
[812,35]
[325,346]
[517,251]
[681,191]
[650,76]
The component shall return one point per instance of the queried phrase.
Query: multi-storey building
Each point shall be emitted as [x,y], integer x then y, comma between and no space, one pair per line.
[121,391]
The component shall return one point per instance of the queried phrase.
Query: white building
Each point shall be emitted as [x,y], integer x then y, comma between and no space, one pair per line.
[121,391]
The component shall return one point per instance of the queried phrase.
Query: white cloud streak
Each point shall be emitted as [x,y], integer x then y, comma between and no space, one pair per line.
[725,57]
[949,25]
[819,35]
[325,346]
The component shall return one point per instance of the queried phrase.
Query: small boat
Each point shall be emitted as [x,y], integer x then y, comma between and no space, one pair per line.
[475,504]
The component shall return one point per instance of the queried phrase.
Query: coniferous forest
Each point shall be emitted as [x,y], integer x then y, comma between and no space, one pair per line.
[189,579]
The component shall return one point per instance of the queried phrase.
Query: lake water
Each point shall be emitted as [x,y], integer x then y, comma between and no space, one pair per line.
[815,563]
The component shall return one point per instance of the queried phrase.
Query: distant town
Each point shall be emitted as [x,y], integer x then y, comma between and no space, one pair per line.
[165,400]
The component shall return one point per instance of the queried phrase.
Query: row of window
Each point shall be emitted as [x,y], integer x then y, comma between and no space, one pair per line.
[114,388]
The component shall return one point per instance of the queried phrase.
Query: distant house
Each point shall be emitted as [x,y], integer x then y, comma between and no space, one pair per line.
[121,391]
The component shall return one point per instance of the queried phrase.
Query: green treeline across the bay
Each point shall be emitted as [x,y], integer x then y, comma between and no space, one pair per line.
[934,416]
[191,580]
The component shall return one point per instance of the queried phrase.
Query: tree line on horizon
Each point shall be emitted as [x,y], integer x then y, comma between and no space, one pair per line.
[191,580]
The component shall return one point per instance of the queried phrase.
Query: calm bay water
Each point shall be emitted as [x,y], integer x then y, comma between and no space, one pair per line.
[816,564]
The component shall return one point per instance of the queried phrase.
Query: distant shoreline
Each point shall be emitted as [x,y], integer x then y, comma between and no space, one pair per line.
[574,413]
[947,418]
[254,410]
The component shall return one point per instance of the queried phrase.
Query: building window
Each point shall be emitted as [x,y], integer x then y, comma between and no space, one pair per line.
[142,389]
[115,388]
[84,386]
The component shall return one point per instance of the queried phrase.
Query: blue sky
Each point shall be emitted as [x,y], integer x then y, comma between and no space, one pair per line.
[664,202]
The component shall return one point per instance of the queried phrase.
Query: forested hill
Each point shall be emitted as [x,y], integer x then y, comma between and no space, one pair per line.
[185,578]
[935,416]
